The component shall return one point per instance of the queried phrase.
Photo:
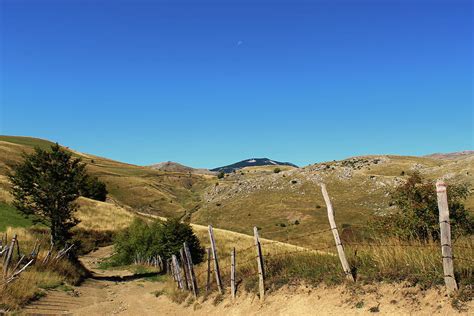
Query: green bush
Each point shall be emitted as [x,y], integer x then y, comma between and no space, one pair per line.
[142,240]
[220,175]
[416,215]
[93,188]
[277,170]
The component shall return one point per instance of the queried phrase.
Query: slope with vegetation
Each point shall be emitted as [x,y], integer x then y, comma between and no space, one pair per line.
[138,188]
[285,204]
[291,199]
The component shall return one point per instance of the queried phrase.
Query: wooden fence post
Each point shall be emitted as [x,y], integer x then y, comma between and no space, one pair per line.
[445,229]
[192,276]
[169,270]
[261,270]
[177,271]
[8,258]
[332,223]
[185,269]
[232,273]
[216,261]
[208,282]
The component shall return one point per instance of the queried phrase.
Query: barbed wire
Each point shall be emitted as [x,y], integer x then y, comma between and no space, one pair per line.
[388,245]
[306,250]
[462,259]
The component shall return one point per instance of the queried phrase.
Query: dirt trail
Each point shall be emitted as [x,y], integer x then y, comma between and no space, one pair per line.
[113,292]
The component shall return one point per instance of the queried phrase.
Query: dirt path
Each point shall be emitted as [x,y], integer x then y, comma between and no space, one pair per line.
[111,292]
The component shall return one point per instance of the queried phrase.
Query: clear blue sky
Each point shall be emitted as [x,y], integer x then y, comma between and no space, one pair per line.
[208,83]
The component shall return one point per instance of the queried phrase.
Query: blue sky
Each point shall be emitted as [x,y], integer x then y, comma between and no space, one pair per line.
[208,83]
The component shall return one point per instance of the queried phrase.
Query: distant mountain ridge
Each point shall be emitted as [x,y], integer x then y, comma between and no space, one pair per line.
[171,166]
[252,162]
[453,155]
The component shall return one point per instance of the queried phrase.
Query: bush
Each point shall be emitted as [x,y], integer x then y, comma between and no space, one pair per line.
[416,214]
[141,241]
[220,175]
[93,188]
[277,170]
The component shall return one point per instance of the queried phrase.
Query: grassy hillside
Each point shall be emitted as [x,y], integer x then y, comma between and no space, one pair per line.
[130,186]
[290,202]
[283,204]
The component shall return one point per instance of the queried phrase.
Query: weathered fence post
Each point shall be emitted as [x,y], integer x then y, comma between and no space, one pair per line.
[185,269]
[445,229]
[332,223]
[169,269]
[261,270]
[177,271]
[208,282]
[232,273]
[8,258]
[192,276]
[216,261]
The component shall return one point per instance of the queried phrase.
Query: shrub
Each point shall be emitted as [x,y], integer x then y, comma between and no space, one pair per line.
[416,214]
[141,241]
[93,188]
[220,175]
[276,170]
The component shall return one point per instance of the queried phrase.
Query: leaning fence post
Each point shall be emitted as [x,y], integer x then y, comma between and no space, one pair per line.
[216,261]
[185,268]
[445,229]
[208,282]
[332,223]
[9,256]
[177,271]
[192,276]
[232,272]
[261,271]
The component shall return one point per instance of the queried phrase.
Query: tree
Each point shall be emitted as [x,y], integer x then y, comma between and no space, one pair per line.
[45,186]
[172,236]
[416,214]
[93,188]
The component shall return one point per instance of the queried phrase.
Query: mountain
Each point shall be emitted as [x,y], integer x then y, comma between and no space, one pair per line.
[454,155]
[171,166]
[253,162]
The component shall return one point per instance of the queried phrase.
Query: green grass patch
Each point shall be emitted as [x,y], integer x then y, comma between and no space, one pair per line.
[9,216]
[27,141]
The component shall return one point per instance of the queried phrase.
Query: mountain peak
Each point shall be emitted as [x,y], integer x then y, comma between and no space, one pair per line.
[251,162]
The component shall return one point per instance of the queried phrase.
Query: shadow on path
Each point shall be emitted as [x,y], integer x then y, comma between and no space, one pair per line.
[125,278]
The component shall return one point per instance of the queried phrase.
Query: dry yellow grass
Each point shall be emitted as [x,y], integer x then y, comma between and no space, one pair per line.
[39,277]
[102,216]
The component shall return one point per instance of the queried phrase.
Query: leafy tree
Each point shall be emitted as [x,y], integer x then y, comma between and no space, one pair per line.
[165,238]
[416,214]
[93,188]
[45,187]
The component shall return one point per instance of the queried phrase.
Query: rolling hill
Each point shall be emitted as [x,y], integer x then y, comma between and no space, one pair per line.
[281,204]
[177,167]
[133,187]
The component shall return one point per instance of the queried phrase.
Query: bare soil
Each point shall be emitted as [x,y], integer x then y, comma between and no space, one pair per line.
[111,292]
